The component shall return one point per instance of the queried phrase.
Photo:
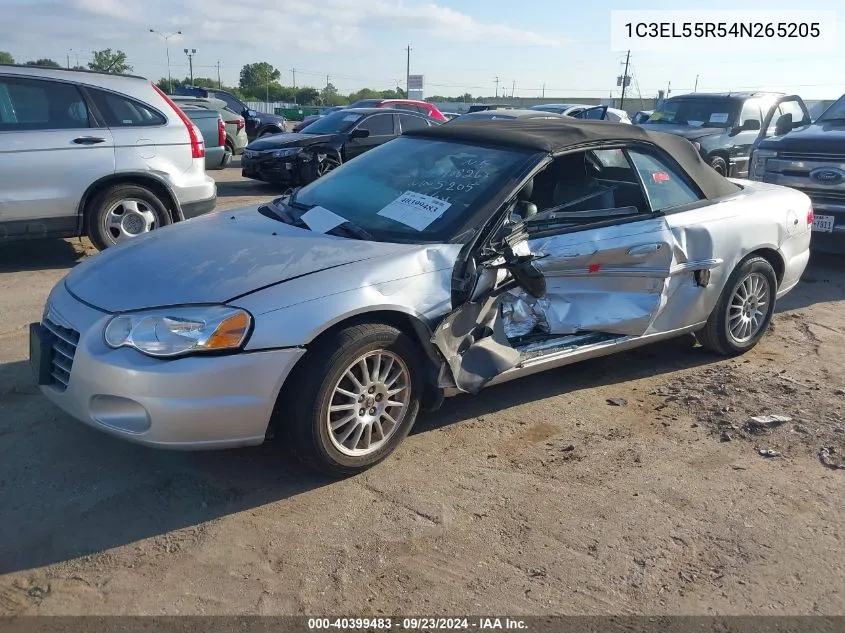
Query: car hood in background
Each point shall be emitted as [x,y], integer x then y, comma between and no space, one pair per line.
[819,138]
[290,139]
[211,259]
[687,131]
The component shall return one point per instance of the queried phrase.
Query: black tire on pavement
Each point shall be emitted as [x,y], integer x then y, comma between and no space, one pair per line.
[716,335]
[99,205]
[719,165]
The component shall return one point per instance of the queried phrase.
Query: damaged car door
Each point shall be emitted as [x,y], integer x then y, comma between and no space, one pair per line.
[576,275]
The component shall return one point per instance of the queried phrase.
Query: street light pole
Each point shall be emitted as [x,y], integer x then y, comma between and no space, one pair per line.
[166,37]
[190,55]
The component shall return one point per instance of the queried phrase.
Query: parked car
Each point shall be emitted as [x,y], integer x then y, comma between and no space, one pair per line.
[568,109]
[450,115]
[450,259]
[213,130]
[723,126]
[236,138]
[504,115]
[409,105]
[258,124]
[290,160]
[641,116]
[103,155]
[808,156]
[481,107]
[313,117]
[615,115]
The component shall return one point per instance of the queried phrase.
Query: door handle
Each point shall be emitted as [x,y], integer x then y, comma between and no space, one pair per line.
[644,249]
[88,140]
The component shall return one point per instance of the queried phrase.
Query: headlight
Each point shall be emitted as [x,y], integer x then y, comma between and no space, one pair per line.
[169,332]
[759,157]
[284,153]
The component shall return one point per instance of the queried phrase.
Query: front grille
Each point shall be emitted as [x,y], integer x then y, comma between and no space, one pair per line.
[813,157]
[64,349]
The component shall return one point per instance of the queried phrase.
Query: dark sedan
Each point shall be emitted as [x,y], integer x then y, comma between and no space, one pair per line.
[487,115]
[292,160]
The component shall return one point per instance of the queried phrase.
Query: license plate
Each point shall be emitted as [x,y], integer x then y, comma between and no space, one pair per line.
[41,353]
[823,223]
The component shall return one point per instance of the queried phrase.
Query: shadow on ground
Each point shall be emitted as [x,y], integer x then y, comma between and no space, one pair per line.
[48,254]
[69,491]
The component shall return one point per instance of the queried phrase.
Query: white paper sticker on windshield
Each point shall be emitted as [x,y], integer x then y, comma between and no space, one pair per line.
[719,117]
[352,117]
[321,220]
[416,210]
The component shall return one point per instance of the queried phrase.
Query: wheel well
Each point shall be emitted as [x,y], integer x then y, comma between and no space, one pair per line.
[774,258]
[152,184]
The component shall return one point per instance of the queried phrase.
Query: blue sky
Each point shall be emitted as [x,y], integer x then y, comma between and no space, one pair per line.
[459,45]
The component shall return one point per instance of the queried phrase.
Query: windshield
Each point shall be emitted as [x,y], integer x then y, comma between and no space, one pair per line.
[334,123]
[697,112]
[836,111]
[412,189]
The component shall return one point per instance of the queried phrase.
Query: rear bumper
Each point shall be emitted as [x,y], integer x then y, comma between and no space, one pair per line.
[194,209]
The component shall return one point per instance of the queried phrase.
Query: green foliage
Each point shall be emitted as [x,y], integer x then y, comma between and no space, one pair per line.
[48,63]
[255,77]
[109,61]
[6,58]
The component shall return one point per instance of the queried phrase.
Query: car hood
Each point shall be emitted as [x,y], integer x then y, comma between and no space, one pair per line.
[687,131]
[212,259]
[819,138]
[289,139]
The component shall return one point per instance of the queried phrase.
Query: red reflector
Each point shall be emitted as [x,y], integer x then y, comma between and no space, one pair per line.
[660,176]
[238,122]
[810,215]
[197,147]
[593,268]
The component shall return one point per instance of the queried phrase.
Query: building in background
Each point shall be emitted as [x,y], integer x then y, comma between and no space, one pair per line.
[415,87]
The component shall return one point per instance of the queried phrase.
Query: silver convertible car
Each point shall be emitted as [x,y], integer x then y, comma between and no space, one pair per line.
[447,260]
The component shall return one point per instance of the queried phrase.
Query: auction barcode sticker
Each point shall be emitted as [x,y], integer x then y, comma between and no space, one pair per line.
[416,210]
[706,31]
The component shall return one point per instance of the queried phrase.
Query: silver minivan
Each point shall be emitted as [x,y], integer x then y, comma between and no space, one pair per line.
[103,155]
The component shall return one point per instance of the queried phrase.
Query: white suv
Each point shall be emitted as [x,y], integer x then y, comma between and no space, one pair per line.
[96,154]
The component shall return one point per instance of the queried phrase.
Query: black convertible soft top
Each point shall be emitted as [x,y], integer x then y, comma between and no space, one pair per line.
[553,136]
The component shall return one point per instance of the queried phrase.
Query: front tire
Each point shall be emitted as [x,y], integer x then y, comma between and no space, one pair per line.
[744,311]
[122,212]
[719,165]
[352,399]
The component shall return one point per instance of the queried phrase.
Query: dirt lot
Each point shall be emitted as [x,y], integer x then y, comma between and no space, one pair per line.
[536,497]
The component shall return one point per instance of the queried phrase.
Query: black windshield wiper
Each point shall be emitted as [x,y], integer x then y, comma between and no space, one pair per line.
[352,230]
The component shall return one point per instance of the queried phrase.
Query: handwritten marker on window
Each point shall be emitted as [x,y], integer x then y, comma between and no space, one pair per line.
[593,268]
[660,176]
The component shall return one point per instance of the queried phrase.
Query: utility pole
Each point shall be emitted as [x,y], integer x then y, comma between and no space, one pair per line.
[544,90]
[497,86]
[513,88]
[166,37]
[293,70]
[190,55]
[68,60]
[625,80]
[696,84]
[668,89]
[219,83]
[408,73]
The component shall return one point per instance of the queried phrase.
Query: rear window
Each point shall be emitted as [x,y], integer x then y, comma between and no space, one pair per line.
[120,111]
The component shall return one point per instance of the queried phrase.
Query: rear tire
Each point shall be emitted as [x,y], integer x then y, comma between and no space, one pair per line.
[122,212]
[318,435]
[744,311]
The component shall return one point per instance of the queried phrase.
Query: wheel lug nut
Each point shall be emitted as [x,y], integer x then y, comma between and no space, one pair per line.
[373,411]
[378,397]
[360,398]
[371,390]
[360,412]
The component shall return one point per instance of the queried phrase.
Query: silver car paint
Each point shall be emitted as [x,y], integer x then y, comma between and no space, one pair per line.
[43,174]
[411,279]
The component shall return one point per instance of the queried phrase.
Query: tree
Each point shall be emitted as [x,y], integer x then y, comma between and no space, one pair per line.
[307,96]
[6,58]
[49,63]
[256,77]
[329,95]
[109,61]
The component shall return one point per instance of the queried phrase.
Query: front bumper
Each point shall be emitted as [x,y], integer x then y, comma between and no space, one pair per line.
[829,241]
[197,402]
[270,169]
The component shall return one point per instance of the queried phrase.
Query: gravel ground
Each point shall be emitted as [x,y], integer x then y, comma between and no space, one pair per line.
[535,497]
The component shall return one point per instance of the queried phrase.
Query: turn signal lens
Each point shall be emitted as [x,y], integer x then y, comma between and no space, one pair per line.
[230,333]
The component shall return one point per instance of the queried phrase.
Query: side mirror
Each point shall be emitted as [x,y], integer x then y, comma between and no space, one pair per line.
[359,133]
[250,113]
[783,125]
[749,125]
